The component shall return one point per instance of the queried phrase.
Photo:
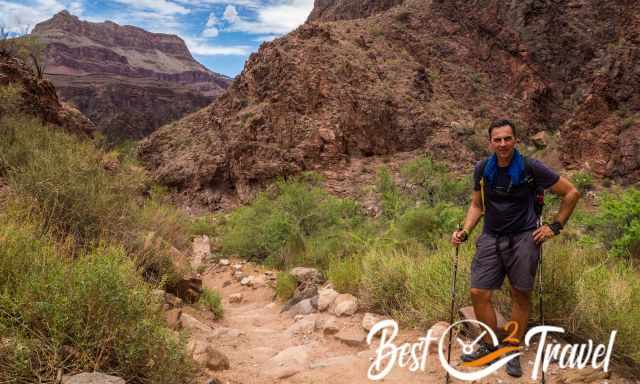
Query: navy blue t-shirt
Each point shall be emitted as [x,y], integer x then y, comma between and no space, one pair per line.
[512,212]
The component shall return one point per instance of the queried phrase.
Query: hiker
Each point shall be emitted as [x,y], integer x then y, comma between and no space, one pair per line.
[505,188]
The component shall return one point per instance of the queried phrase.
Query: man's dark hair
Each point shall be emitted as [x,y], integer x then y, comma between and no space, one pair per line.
[501,123]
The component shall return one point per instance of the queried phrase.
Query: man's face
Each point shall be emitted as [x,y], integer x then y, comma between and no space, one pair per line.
[502,142]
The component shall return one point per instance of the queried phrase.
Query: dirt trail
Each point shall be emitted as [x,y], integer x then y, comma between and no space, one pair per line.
[266,346]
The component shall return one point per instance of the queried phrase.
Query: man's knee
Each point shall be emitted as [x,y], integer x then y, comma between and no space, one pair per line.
[520,296]
[479,295]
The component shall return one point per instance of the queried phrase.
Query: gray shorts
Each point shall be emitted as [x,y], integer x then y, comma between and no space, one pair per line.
[515,256]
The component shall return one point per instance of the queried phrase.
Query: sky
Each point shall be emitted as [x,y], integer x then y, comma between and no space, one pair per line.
[221,34]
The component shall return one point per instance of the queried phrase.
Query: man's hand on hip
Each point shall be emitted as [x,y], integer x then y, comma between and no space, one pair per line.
[543,233]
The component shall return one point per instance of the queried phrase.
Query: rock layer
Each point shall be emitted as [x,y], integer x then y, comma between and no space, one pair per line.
[417,76]
[125,79]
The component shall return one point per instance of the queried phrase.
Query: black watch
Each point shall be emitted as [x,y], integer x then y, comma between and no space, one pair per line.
[556,227]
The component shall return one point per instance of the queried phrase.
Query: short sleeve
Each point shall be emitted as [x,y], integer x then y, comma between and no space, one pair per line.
[477,176]
[544,176]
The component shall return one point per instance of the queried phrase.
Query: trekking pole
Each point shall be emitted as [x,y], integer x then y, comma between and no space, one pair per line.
[540,288]
[453,303]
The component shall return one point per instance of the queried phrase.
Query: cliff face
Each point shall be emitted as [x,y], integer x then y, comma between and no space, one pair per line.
[127,80]
[39,98]
[417,77]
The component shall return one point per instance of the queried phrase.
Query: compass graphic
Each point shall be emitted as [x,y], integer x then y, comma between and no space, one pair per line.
[496,359]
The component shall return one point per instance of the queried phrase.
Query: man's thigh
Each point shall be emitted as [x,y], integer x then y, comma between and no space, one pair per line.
[523,263]
[487,269]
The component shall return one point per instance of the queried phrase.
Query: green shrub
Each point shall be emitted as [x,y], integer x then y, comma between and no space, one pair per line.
[583,181]
[617,222]
[435,182]
[384,280]
[428,224]
[394,203]
[286,286]
[346,273]
[212,301]
[281,222]
[95,305]
[61,177]
[203,225]
[10,98]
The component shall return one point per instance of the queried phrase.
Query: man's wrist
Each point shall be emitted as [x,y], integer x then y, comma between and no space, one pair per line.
[556,227]
[465,235]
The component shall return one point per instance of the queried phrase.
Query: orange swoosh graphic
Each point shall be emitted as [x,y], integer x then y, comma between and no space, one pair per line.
[491,357]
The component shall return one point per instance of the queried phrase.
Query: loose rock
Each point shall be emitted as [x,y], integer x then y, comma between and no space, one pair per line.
[344,304]
[304,307]
[326,298]
[236,298]
[353,337]
[369,320]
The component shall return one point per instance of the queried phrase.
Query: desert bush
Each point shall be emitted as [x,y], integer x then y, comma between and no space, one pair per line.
[435,182]
[617,222]
[90,312]
[286,285]
[583,181]
[427,224]
[282,222]
[61,177]
[393,201]
[10,98]
[212,301]
[346,273]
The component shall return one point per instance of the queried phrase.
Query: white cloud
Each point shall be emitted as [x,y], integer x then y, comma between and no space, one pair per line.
[22,17]
[231,14]
[272,19]
[212,20]
[163,7]
[206,3]
[199,47]
[266,38]
[210,32]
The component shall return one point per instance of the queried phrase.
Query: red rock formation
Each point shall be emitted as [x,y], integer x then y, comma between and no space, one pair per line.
[39,98]
[129,81]
[419,76]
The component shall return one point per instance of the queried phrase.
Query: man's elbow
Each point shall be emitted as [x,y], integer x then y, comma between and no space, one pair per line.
[573,194]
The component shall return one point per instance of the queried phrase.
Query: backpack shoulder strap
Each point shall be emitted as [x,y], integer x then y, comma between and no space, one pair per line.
[483,165]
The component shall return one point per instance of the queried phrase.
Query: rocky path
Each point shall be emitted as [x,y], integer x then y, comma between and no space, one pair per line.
[258,342]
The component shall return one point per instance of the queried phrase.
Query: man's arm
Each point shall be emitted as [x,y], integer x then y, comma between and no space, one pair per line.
[474,213]
[570,196]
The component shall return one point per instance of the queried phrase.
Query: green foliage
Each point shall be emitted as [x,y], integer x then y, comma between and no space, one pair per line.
[346,273]
[61,177]
[435,182]
[393,201]
[583,181]
[281,222]
[428,224]
[212,301]
[95,305]
[617,223]
[285,286]
[203,225]
[10,98]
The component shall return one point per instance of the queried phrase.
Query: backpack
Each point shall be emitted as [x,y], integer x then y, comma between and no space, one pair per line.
[529,178]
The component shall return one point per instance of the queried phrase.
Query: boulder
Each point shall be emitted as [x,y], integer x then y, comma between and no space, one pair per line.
[247,281]
[191,323]
[208,356]
[172,318]
[224,262]
[303,274]
[304,307]
[92,378]
[344,304]
[288,362]
[326,298]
